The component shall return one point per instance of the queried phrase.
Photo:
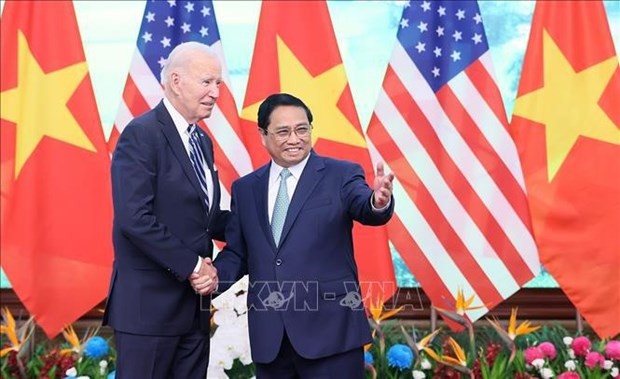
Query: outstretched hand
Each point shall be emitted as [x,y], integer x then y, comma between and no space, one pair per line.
[382,187]
[205,281]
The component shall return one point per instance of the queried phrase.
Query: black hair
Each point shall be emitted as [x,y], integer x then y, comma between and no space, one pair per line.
[276,100]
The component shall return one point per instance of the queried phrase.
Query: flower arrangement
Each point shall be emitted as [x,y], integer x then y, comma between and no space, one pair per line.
[520,351]
[230,341]
[89,358]
[493,349]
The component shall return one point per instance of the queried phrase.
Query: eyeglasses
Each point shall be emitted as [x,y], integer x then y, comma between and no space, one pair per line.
[281,135]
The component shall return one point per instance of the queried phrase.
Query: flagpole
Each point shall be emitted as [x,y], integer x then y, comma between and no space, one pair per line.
[433,319]
[579,321]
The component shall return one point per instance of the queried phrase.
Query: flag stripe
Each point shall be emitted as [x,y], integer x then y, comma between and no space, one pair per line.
[133,97]
[478,126]
[146,80]
[481,72]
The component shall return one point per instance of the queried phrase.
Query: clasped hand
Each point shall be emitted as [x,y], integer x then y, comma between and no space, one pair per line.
[205,281]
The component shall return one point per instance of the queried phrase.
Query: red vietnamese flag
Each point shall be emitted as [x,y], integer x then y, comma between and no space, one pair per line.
[566,125]
[56,202]
[296,52]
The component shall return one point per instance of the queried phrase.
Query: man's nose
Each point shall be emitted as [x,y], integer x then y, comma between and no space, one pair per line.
[214,92]
[293,138]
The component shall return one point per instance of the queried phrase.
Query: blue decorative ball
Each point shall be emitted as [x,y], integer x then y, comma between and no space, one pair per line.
[368,358]
[112,375]
[400,356]
[96,347]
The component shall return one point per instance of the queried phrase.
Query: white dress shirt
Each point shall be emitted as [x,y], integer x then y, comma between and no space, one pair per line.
[291,182]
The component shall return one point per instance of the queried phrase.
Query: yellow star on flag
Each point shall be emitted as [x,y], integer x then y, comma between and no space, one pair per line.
[567,104]
[321,93]
[38,105]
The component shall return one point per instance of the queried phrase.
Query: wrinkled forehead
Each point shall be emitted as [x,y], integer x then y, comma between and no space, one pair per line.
[204,64]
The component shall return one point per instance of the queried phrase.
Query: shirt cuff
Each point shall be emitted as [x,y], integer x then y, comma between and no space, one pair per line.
[197,268]
[379,210]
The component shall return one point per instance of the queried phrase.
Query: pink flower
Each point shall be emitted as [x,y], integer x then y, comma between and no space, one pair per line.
[569,375]
[594,358]
[581,346]
[612,350]
[548,349]
[532,353]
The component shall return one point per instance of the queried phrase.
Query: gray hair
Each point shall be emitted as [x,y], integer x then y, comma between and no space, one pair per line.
[180,55]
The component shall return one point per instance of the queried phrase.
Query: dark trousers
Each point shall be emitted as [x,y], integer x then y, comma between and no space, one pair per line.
[290,365]
[161,357]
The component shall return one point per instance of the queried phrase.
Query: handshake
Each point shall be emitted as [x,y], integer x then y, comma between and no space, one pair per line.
[205,281]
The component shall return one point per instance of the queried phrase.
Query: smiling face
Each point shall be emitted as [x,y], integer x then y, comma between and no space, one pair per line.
[196,86]
[289,151]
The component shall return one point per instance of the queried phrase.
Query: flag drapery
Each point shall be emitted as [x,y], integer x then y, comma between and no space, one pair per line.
[166,24]
[296,52]
[566,123]
[56,204]
[462,220]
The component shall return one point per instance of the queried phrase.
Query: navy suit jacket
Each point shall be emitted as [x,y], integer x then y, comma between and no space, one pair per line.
[308,286]
[161,226]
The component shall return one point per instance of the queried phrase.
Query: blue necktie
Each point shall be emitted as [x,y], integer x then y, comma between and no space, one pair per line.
[197,157]
[280,208]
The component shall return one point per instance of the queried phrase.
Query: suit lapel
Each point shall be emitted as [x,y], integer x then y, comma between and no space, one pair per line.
[261,192]
[310,177]
[177,147]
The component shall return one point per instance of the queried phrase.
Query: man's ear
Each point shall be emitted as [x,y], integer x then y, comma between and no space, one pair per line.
[174,80]
[263,136]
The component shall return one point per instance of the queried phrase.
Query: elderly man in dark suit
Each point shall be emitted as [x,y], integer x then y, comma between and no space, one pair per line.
[291,230]
[166,212]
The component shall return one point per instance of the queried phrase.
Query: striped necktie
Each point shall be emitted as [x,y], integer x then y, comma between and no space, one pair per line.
[197,157]
[281,207]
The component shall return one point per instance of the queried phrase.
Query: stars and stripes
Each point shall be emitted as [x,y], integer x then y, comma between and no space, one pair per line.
[165,25]
[462,219]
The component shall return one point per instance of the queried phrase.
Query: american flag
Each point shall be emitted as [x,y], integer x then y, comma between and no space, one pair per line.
[462,220]
[166,24]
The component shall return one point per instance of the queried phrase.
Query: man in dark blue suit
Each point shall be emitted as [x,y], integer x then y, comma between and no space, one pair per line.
[291,231]
[166,212]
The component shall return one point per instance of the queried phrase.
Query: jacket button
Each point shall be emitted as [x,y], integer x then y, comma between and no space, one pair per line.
[278,262]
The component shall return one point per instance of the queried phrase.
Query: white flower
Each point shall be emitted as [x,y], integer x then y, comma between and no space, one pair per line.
[538,363]
[225,317]
[570,365]
[246,355]
[71,372]
[567,340]
[241,303]
[418,374]
[608,364]
[571,353]
[240,285]
[221,359]
[83,377]
[614,372]
[546,373]
[215,372]
[425,364]
[102,366]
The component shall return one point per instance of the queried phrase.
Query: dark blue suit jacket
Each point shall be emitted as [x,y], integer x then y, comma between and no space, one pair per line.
[308,286]
[161,226]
